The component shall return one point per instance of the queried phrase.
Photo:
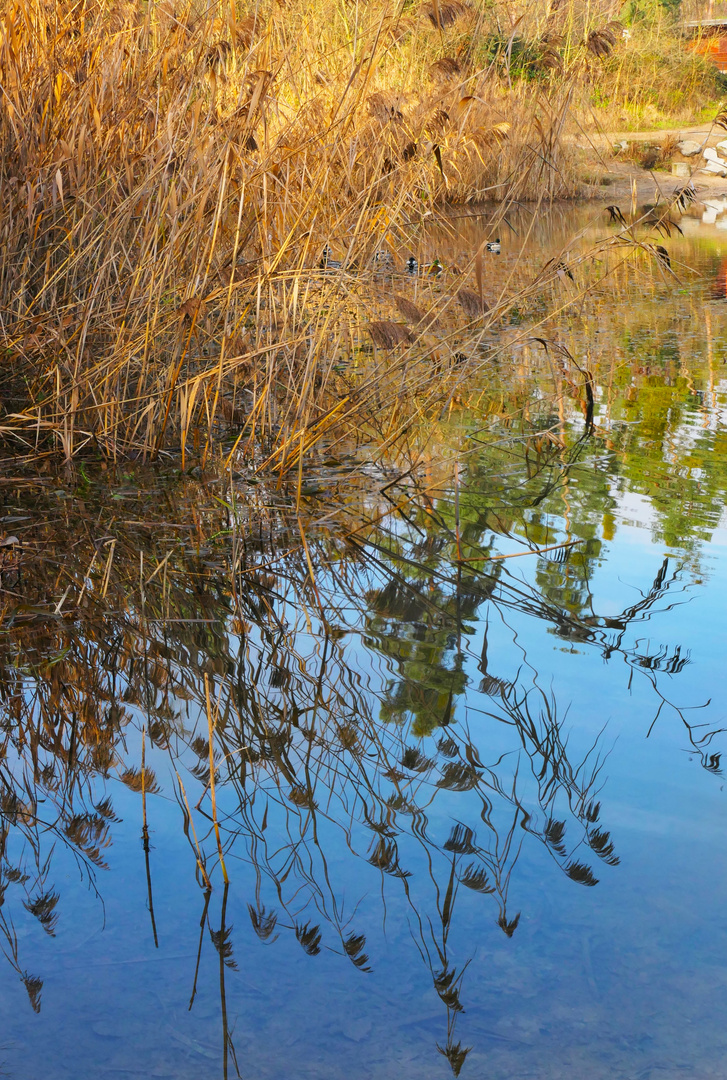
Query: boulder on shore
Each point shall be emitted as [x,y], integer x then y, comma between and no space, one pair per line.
[715,164]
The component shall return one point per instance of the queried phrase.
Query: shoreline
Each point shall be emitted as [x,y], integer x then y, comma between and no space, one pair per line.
[617,175]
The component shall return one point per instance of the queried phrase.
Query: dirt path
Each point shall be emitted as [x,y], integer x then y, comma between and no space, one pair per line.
[615,176]
[687,131]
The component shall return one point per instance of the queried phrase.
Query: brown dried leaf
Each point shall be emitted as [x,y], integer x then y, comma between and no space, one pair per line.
[384,107]
[446,68]
[472,306]
[601,42]
[245,31]
[443,15]
[389,334]
[134,779]
[400,29]
[409,310]
[31,342]
[463,106]
[229,412]
[216,56]
[34,987]
[194,308]
[550,58]
[438,121]
[486,138]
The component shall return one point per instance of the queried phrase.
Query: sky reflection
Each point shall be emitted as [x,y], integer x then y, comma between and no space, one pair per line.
[471,806]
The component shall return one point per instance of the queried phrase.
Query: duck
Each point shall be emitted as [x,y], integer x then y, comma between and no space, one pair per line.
[493,246]
[383,262]
[327,262]
[432,269]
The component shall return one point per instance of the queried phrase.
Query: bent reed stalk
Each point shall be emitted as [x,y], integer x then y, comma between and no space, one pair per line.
[171,174]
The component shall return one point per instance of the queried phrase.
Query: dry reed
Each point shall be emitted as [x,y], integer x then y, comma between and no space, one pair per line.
[170,176]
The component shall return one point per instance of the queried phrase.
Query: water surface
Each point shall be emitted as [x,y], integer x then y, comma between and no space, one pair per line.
[468,712]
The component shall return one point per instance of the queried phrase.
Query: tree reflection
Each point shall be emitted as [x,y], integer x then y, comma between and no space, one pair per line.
[346,675]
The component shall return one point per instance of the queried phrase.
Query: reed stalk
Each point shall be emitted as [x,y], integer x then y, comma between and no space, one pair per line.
[213,797]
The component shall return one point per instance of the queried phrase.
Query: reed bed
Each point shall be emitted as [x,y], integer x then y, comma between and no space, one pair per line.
[170,176]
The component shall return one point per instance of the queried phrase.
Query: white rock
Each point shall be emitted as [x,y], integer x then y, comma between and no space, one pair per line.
[715,164]
[722,146]
[689,147]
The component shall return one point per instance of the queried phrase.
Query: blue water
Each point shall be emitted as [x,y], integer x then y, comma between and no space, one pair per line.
[550,699]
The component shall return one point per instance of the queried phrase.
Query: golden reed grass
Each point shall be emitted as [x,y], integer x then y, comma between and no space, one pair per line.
[171,174]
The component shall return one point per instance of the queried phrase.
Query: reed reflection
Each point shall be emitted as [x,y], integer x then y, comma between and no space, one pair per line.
[317,690]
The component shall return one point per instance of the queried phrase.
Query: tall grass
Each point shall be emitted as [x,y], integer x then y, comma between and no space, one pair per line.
[661,77]
[171,173]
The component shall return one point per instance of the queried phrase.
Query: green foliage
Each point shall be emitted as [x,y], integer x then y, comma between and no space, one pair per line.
[650,12]
[531,60]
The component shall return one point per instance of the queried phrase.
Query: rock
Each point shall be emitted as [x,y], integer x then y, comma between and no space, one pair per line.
[715,164]
[722,146]
[689,147]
